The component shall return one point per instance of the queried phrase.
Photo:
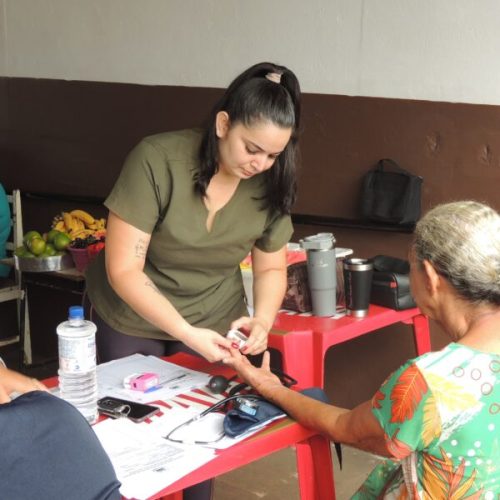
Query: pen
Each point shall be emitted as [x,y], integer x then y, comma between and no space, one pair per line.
[163,384]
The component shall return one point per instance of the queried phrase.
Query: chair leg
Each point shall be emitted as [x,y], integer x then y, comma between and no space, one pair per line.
[28,355]
[22,311]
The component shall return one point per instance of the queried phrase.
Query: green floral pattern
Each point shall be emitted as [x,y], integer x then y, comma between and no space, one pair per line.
[441,417]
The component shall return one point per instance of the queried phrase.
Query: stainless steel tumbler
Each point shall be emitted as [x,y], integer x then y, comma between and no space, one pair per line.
[358,274]
[321,272]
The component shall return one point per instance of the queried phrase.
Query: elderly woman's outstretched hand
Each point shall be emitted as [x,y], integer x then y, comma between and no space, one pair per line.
[261,379]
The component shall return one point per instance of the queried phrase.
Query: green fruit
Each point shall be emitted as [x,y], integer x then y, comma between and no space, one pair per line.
[20,251]
[29,236]
[61,241]
[52,234]
[36,245]
[49,251]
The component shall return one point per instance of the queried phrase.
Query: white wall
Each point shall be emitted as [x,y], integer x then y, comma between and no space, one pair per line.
[445,50]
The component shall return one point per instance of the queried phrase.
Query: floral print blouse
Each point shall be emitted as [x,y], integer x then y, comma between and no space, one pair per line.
[441,416]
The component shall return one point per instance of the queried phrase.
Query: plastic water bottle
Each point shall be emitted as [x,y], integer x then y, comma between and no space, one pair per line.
[77,363]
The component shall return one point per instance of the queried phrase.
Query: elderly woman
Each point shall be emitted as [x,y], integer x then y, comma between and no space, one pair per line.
[437,418]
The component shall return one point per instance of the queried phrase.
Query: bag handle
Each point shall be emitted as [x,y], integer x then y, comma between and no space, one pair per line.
[386,263]
[388,162]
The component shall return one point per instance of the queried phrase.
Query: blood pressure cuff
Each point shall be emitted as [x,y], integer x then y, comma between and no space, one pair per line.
[250,414]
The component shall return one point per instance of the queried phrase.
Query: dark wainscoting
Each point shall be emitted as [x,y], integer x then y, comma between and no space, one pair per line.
[70,138]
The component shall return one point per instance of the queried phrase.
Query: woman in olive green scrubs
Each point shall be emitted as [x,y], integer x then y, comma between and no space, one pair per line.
[186,209]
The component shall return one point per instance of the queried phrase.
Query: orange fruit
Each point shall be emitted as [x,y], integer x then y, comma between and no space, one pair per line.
[52,234]
[61,241]
[49,251]
[30,235]
[36,245]
[21,251]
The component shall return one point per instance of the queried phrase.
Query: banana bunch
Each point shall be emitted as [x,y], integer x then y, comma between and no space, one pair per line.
[79,224]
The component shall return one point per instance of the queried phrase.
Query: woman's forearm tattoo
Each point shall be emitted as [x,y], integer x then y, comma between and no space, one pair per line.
[141,248]
[153,286]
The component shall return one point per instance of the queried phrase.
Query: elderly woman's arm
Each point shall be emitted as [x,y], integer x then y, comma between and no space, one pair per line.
[358,427]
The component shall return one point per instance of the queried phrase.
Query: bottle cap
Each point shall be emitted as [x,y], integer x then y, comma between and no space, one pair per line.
[75,312]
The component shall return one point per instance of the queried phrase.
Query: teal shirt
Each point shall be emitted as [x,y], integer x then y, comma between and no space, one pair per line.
[5,228]
[440,414]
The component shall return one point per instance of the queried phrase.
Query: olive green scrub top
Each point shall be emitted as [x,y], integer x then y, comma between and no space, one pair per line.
[196,269]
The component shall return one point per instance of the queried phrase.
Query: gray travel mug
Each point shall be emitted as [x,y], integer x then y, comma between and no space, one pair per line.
[358,274]
[321,272]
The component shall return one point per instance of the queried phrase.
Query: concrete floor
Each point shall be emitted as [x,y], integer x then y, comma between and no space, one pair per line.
[275,477]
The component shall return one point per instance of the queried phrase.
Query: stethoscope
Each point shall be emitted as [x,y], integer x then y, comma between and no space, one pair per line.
[246,404]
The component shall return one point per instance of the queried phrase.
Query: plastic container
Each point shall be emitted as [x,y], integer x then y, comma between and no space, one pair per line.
[77,363]
[80,257]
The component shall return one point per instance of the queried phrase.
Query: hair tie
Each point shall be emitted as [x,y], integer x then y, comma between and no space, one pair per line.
[274,77]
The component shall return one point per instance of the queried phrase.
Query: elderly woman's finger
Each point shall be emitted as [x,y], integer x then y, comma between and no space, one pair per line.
[266,361]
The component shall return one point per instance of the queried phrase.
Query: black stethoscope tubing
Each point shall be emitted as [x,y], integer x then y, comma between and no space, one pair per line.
[211,409]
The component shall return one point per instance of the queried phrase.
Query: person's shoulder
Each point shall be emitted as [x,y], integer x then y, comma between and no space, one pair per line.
[178,145]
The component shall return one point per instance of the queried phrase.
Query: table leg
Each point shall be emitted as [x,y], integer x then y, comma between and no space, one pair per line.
[315,469]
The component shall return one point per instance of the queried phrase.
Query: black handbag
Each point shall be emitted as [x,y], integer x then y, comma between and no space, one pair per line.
[391,194]
[391,283]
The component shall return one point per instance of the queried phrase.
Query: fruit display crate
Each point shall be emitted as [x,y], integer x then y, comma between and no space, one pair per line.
[44,264]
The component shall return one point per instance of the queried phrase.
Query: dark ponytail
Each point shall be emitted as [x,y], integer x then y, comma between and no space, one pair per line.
[251,98]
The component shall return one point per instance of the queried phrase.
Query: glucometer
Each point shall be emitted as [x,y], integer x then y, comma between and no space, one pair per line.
[237,337]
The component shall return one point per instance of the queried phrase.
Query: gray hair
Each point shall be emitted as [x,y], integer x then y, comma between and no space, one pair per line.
[462,241]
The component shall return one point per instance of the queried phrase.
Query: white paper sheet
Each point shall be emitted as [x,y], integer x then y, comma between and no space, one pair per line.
[173,379]
[144,462]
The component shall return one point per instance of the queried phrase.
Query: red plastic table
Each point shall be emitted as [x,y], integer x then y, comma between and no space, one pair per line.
[304,339]
[313,452]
